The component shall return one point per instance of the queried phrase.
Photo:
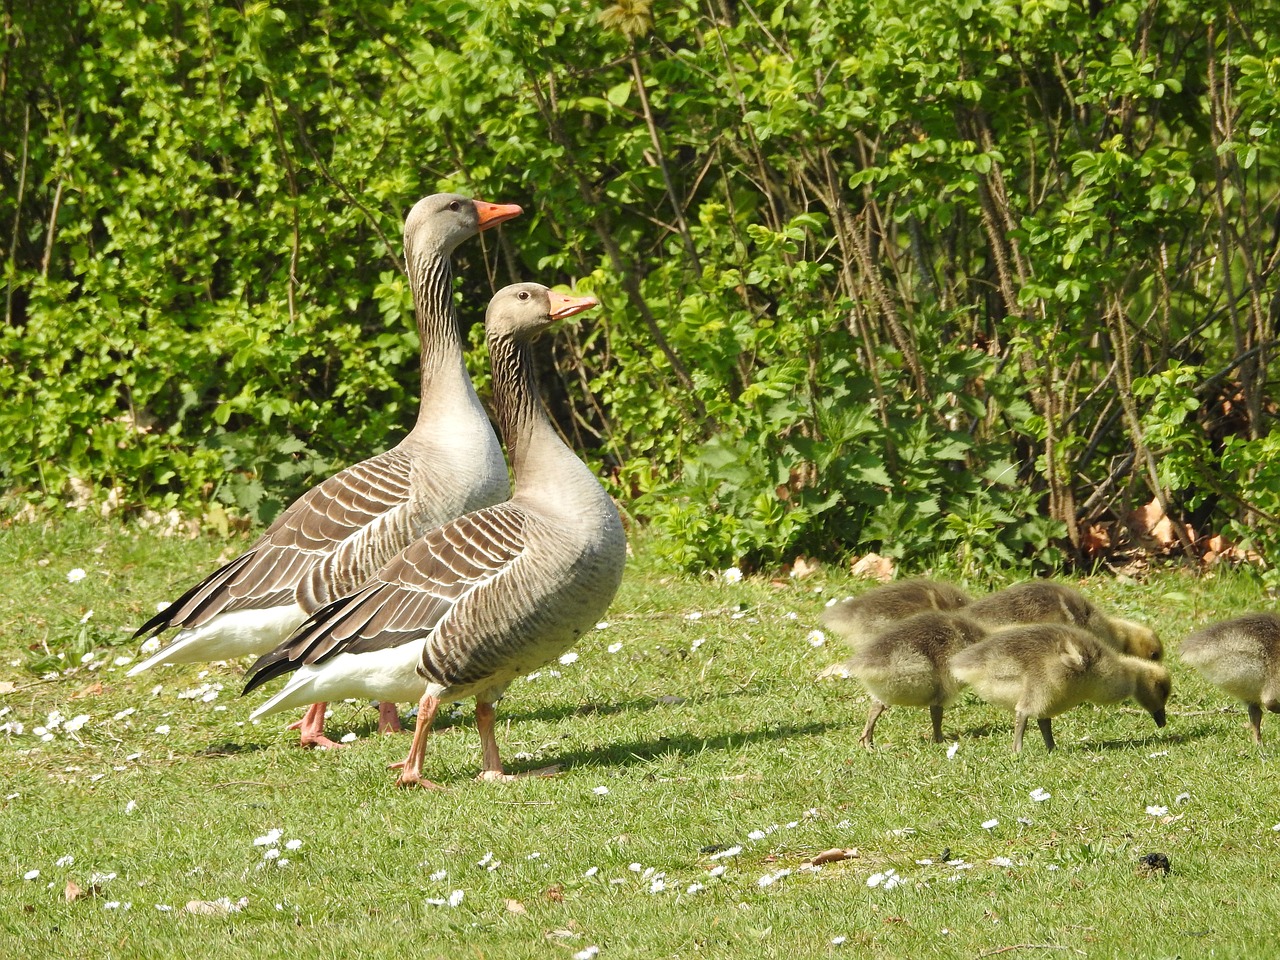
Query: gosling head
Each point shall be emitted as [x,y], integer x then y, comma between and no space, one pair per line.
[1152,690]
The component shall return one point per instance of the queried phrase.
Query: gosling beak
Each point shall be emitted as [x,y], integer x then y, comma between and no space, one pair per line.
[492,214]
[1159,717]
[564,306]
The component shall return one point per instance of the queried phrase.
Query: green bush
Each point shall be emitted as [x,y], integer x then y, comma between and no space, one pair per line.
[912,279]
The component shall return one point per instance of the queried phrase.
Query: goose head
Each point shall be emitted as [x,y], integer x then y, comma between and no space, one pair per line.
[444,220]
[521,311]
[1152,689]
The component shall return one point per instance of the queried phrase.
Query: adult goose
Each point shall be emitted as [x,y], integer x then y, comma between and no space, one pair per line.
[486,598]
[335,536]
[1242,657]
[1044,669]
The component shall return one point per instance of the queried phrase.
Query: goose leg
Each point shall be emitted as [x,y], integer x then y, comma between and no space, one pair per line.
[1019,727]
[1255,721]
[490,762]
[388,718]
[311,729]
[867,738]
[1046,731]
[411,766]
[935,715]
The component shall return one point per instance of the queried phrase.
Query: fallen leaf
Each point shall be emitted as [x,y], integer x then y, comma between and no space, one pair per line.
[874,567]
[7,686]
[803,567]
[834,855]
[92,690]
[516,907]
[1096,539]
[73,892]
[554,893]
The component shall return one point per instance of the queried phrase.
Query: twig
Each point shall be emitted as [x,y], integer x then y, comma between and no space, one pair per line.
[39,683]
[17,217]
[1026,946]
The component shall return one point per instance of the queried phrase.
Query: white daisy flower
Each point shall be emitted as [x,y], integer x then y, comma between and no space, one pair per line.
[31,875]
[615,647]
[1157,811]
[732,575]
[76,574]
[568,658]
[599,791]
[990,824]
[587,953]
[816,638]
[1040,794]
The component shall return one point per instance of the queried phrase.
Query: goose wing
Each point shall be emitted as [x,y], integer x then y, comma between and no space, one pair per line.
[329,519]
[409,596]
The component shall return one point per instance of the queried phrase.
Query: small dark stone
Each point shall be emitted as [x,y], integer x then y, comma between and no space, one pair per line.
[945,855]
[1154,862]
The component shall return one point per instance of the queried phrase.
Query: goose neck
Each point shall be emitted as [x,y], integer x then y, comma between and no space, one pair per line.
[431,281]
[532,442]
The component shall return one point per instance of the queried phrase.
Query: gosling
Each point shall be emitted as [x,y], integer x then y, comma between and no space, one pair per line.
[1042,670]
[859,619]
[1045,601]
[1242,656]
[907,665]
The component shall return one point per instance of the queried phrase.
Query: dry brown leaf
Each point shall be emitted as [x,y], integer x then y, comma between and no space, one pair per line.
[834,855]
[1096,539]
[803,567]
[74,892]
[874,567]
[7,686]
[92,690]
[554,893]
[516,907]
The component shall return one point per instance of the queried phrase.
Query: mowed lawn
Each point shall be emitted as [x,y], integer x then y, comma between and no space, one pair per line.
[701,767]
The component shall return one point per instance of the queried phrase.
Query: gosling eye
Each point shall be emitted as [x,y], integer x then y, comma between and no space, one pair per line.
[455,206]
[523,294]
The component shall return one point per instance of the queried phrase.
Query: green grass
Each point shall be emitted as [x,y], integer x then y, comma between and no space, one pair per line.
[698,744]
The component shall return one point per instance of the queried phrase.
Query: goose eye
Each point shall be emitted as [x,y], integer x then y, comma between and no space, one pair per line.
[523,294]
[454,206]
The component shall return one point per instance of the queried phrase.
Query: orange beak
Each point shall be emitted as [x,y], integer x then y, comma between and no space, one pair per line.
[563,306]
[492,214]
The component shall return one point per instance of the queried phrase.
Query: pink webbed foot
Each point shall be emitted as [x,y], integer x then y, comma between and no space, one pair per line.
[312,729]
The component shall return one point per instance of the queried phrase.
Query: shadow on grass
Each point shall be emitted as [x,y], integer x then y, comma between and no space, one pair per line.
[684,745]
[1157,738]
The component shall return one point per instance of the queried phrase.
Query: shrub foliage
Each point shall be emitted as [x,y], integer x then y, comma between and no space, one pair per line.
[974,275]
